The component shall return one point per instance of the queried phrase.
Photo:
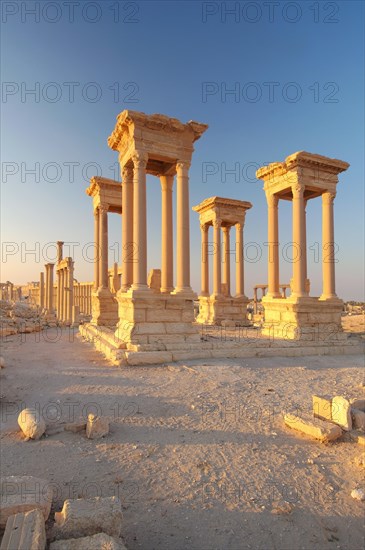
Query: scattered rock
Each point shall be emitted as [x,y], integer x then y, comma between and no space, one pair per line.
[101,541]
[357,436]
[85,517]
[282,507]
[25,531]
[358,404]
[22,494]
[358,419]
[96,426]
[31,423]
[75,427]
[358,494]
[341,412]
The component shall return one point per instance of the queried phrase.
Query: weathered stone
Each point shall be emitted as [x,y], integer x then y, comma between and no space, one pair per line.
[75,426]
[357,436]
[358,419]
[322,407]
[313,428]
[101,541]
[22,494]
[85,517]
[358,404]
[2,362]
[31,423]
[341,412]
[358,494]
[97,426]
[25,531]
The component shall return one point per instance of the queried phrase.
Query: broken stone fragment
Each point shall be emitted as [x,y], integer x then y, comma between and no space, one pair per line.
[31,423]
[322,407]
[341,412]
[22,494]
[96,426]
[358,419]
[25,531]
[358,494]
[85,517]
[101,541]
[315,428]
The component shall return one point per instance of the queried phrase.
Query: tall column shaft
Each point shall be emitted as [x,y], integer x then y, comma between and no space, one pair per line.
[50,299]
[41,290]
[104,246]
[182,228]
[239,260]
[58,306]
[166,234]
[140,222]
[70,284]
[97,249]
[273,244]
[217,276]
[227,260]
[204,260]
[328,247]
[127,227]
[299,258]
[59,251]
[46,293]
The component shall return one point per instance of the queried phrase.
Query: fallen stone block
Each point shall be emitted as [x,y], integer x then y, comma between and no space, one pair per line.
[22,494]
[31,423]
[358,419]
[97,426]
[85,517]
[358,404]
[341,412]
[75,427]
[25,531]
[357,436]
[101,541]
[322,407]
[317,429]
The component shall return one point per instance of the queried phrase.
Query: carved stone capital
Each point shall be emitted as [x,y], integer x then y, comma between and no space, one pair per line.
[217,223]
[140,159]
[204,227]
[298,190]
[127,174]
[328,197]
[182,166]
[272,200]
[103,208]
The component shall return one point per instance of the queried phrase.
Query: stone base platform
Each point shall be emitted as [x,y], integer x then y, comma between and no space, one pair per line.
[104,308]
[215,309]
[300,318]
[222,344]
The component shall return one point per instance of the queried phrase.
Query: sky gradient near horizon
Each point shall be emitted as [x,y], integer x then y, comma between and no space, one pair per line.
[269,78]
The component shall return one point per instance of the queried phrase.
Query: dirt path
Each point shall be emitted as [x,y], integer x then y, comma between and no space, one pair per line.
[197,452]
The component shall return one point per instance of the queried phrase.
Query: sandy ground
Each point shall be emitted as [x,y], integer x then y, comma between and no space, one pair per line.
[197,452]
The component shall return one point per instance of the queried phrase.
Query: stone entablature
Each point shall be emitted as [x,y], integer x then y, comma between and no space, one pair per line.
[301,177]
[222,214]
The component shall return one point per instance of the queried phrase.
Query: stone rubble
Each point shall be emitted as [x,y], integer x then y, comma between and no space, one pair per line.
[25,531]
[31,423]
[96,426]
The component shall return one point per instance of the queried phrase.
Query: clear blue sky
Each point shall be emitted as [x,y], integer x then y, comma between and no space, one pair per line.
[157,57]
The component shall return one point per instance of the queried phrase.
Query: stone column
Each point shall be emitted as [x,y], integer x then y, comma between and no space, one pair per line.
[41,290]
[255,301]
[227,259]
[166,237]
[217,287]
[50,289]
[97,249]
[239,261]
[139,222]
[273,243]
[182,228]
[299,268]
[59,251]
[103,239]
[127,228]
[204,259]
[46,291]
[70,284]
[328,247]
[58,306]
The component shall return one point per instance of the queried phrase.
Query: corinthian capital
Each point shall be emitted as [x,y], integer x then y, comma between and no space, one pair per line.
[140,159]
[127,173]
[298,190]
[328,197]
[217,223]
[182,165]
[272,200]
